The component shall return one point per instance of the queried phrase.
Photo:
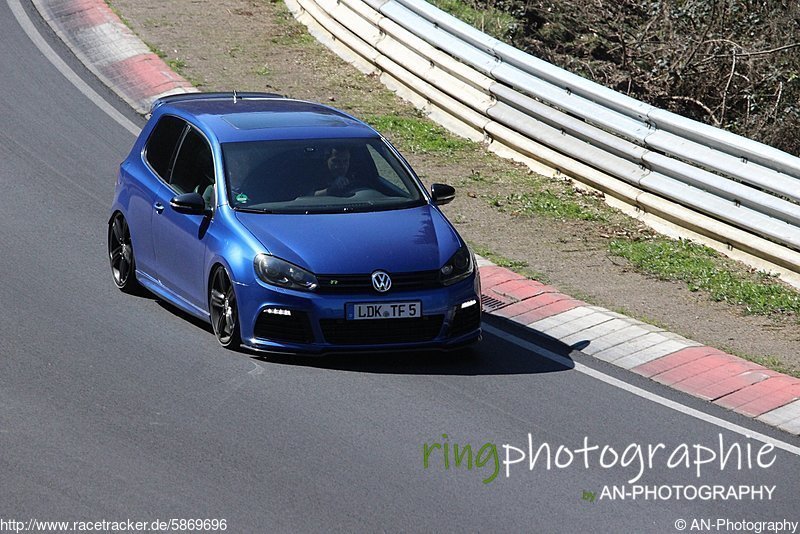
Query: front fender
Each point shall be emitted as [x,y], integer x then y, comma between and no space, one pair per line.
[233,247]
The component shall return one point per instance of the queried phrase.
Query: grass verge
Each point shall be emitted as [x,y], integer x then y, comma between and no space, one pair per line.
[520,267]
[550,199]
[418,134]
[703,269]
[492,21]
[176,64]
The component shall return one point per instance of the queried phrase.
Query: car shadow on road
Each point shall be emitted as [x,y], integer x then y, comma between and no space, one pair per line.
[495,355]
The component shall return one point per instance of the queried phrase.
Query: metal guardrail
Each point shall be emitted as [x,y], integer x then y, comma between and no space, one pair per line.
[735,192]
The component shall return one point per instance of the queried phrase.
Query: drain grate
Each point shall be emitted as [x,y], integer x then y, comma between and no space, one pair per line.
[490,303]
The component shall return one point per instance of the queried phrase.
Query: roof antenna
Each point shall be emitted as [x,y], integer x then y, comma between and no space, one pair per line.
[234,96]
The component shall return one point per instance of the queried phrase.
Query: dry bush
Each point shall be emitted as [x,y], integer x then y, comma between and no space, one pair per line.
[730,63]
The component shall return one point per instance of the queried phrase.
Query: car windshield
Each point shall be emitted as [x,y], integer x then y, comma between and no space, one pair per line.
[317,176]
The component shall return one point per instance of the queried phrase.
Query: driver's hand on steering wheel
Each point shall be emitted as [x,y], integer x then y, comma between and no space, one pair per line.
[340,185]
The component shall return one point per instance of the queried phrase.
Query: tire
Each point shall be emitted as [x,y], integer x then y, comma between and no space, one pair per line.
[223,309]
[120,255]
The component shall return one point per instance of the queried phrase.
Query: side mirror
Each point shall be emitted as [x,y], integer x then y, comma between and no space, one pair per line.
[189,203]
[442,194]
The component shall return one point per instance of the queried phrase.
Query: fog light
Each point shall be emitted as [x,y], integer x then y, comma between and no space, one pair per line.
[469,303]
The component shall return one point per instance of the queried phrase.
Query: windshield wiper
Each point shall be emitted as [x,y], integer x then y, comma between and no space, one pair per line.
[252,210]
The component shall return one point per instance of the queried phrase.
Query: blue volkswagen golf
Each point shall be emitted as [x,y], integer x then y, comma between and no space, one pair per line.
[290,227]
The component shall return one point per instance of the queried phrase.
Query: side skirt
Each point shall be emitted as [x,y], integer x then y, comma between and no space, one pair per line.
[155,287]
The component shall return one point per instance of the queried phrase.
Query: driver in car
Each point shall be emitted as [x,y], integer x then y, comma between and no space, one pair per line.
[337,162]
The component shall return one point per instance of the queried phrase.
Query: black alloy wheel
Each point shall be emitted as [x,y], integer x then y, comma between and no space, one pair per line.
[120,254]
[224,313]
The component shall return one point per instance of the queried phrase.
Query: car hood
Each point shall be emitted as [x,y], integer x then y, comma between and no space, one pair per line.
[405,240]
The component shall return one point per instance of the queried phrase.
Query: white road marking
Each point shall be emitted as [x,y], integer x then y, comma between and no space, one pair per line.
[63,68]
[610,380]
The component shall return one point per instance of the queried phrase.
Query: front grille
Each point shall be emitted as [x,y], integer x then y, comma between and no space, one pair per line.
[294,328]
[362,283]
[466,320]
[381,331]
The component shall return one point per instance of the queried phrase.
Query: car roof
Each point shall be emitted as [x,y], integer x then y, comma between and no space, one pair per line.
[263,117]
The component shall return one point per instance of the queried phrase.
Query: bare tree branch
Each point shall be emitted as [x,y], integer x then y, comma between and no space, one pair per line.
[728,84]
[751,54]
[700,104]
[771,51]
[778,100]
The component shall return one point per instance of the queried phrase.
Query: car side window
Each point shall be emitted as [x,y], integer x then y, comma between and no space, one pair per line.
[193,170]
[162,142]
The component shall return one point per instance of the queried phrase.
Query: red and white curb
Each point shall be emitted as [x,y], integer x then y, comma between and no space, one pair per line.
[111,51]
[119,58]
[705,372]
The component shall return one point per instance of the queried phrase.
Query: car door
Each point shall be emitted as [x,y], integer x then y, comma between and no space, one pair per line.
[149,177]
[180,239]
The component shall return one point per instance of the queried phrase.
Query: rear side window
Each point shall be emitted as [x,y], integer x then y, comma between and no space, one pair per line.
[162,142]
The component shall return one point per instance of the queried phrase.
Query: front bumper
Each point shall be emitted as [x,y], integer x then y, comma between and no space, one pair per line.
[285,321]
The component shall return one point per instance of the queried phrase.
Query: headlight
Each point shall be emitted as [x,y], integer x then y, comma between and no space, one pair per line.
[278,272]
[458,267]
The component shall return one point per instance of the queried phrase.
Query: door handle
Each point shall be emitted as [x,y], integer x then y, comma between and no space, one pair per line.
[159,207]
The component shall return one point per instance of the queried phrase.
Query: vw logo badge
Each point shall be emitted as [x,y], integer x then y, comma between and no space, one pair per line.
[381,281]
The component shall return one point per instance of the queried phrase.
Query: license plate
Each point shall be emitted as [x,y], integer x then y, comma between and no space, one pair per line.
[384,310]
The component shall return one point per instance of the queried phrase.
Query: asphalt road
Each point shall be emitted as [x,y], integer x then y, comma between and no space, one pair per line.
[115,407]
